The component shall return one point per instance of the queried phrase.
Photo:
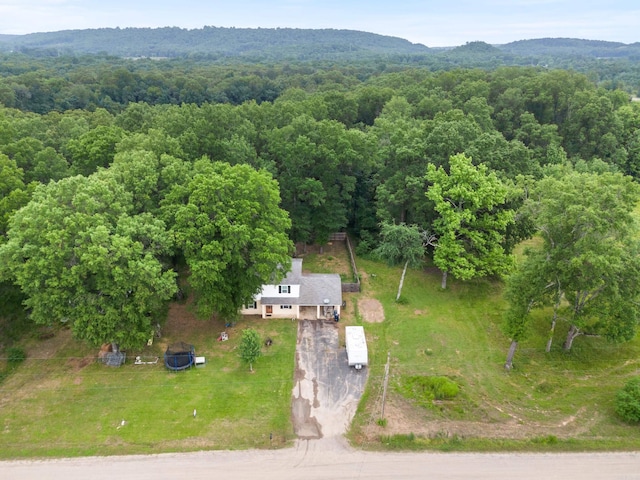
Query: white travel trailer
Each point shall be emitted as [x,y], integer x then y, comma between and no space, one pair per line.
[356,343]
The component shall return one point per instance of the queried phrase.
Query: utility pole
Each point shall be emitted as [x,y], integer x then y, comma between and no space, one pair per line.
[385,383]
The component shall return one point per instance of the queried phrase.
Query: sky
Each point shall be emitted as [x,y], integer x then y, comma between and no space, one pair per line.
[431,23]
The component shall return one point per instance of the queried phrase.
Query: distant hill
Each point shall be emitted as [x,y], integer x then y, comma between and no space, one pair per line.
[564,47]
[292,44]
[276,43]
[479,50]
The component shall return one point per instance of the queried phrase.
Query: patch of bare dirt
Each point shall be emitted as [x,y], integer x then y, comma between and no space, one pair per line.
[44,349]
[182,321]
[337,248]
[332,257]
[404,418]
[79,363]
[371,310]
[183,325]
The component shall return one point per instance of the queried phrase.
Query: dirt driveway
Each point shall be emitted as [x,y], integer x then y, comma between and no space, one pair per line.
[326,390]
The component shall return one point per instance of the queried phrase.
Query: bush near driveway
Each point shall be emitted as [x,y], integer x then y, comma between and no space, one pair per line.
[628,401]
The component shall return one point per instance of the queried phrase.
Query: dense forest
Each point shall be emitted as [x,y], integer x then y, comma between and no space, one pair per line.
[113,172]
[611,64]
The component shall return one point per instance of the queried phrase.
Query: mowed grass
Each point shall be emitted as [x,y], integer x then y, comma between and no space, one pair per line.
[556,401]
[61,402]
[68,404]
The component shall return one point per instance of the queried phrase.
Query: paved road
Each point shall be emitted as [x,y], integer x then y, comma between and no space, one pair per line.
[327,459]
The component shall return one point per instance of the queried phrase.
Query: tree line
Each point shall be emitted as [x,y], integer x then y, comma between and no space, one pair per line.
[100,206]
[67,81]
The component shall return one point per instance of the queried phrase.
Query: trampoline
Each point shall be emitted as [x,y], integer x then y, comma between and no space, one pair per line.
[179,356]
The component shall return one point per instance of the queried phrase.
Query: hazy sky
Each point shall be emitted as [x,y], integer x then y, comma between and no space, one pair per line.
[432,23]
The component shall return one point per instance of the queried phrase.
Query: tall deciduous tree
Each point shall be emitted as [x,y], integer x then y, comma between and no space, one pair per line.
[527,288]
[472,220]
[588,266]
[318,166]
[148,177]
[13,192]
[93,149]
[80,257]
[233,234]
[589,232]
[401,244]
[403,164]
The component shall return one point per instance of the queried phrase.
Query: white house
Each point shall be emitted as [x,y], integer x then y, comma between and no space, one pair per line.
[306,296]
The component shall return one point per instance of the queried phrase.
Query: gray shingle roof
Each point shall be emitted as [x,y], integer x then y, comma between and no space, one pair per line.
[315,288]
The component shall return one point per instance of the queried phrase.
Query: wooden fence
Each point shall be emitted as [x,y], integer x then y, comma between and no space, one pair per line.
[353,287]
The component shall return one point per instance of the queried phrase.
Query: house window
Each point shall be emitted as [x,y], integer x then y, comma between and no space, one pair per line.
[285,307]
[284,288]
[251,306]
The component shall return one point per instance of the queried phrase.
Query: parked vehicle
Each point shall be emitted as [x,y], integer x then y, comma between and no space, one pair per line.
[356,343]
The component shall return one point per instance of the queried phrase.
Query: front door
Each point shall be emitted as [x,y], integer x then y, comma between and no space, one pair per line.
[269,309]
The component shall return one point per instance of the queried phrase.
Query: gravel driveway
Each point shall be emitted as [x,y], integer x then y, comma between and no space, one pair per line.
[326,390]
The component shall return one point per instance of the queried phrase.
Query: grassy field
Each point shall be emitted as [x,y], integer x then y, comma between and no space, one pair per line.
[555,401]
[61,402]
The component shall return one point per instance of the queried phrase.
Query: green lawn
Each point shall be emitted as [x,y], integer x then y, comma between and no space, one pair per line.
[457,334]
[70,405]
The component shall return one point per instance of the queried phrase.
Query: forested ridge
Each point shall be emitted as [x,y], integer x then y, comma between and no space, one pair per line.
[279,42]
[214,42]
[612,62]
[113,171]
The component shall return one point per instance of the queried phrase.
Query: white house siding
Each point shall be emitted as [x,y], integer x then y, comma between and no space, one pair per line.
[271,291]
[313,295]
[277,312]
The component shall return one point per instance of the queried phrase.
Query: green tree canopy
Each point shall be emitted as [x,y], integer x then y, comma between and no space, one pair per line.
[80,257]
[586,222]
[401,244]
[13,192]
[588,265]
[232,231]
[472,222]
[93,149]
[318,166]
[402,167]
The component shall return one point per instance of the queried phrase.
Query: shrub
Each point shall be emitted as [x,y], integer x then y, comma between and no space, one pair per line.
[628,401]
[444,388]
[426,389]
[16,355]
[366,244]
[546,440]
[402,300]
